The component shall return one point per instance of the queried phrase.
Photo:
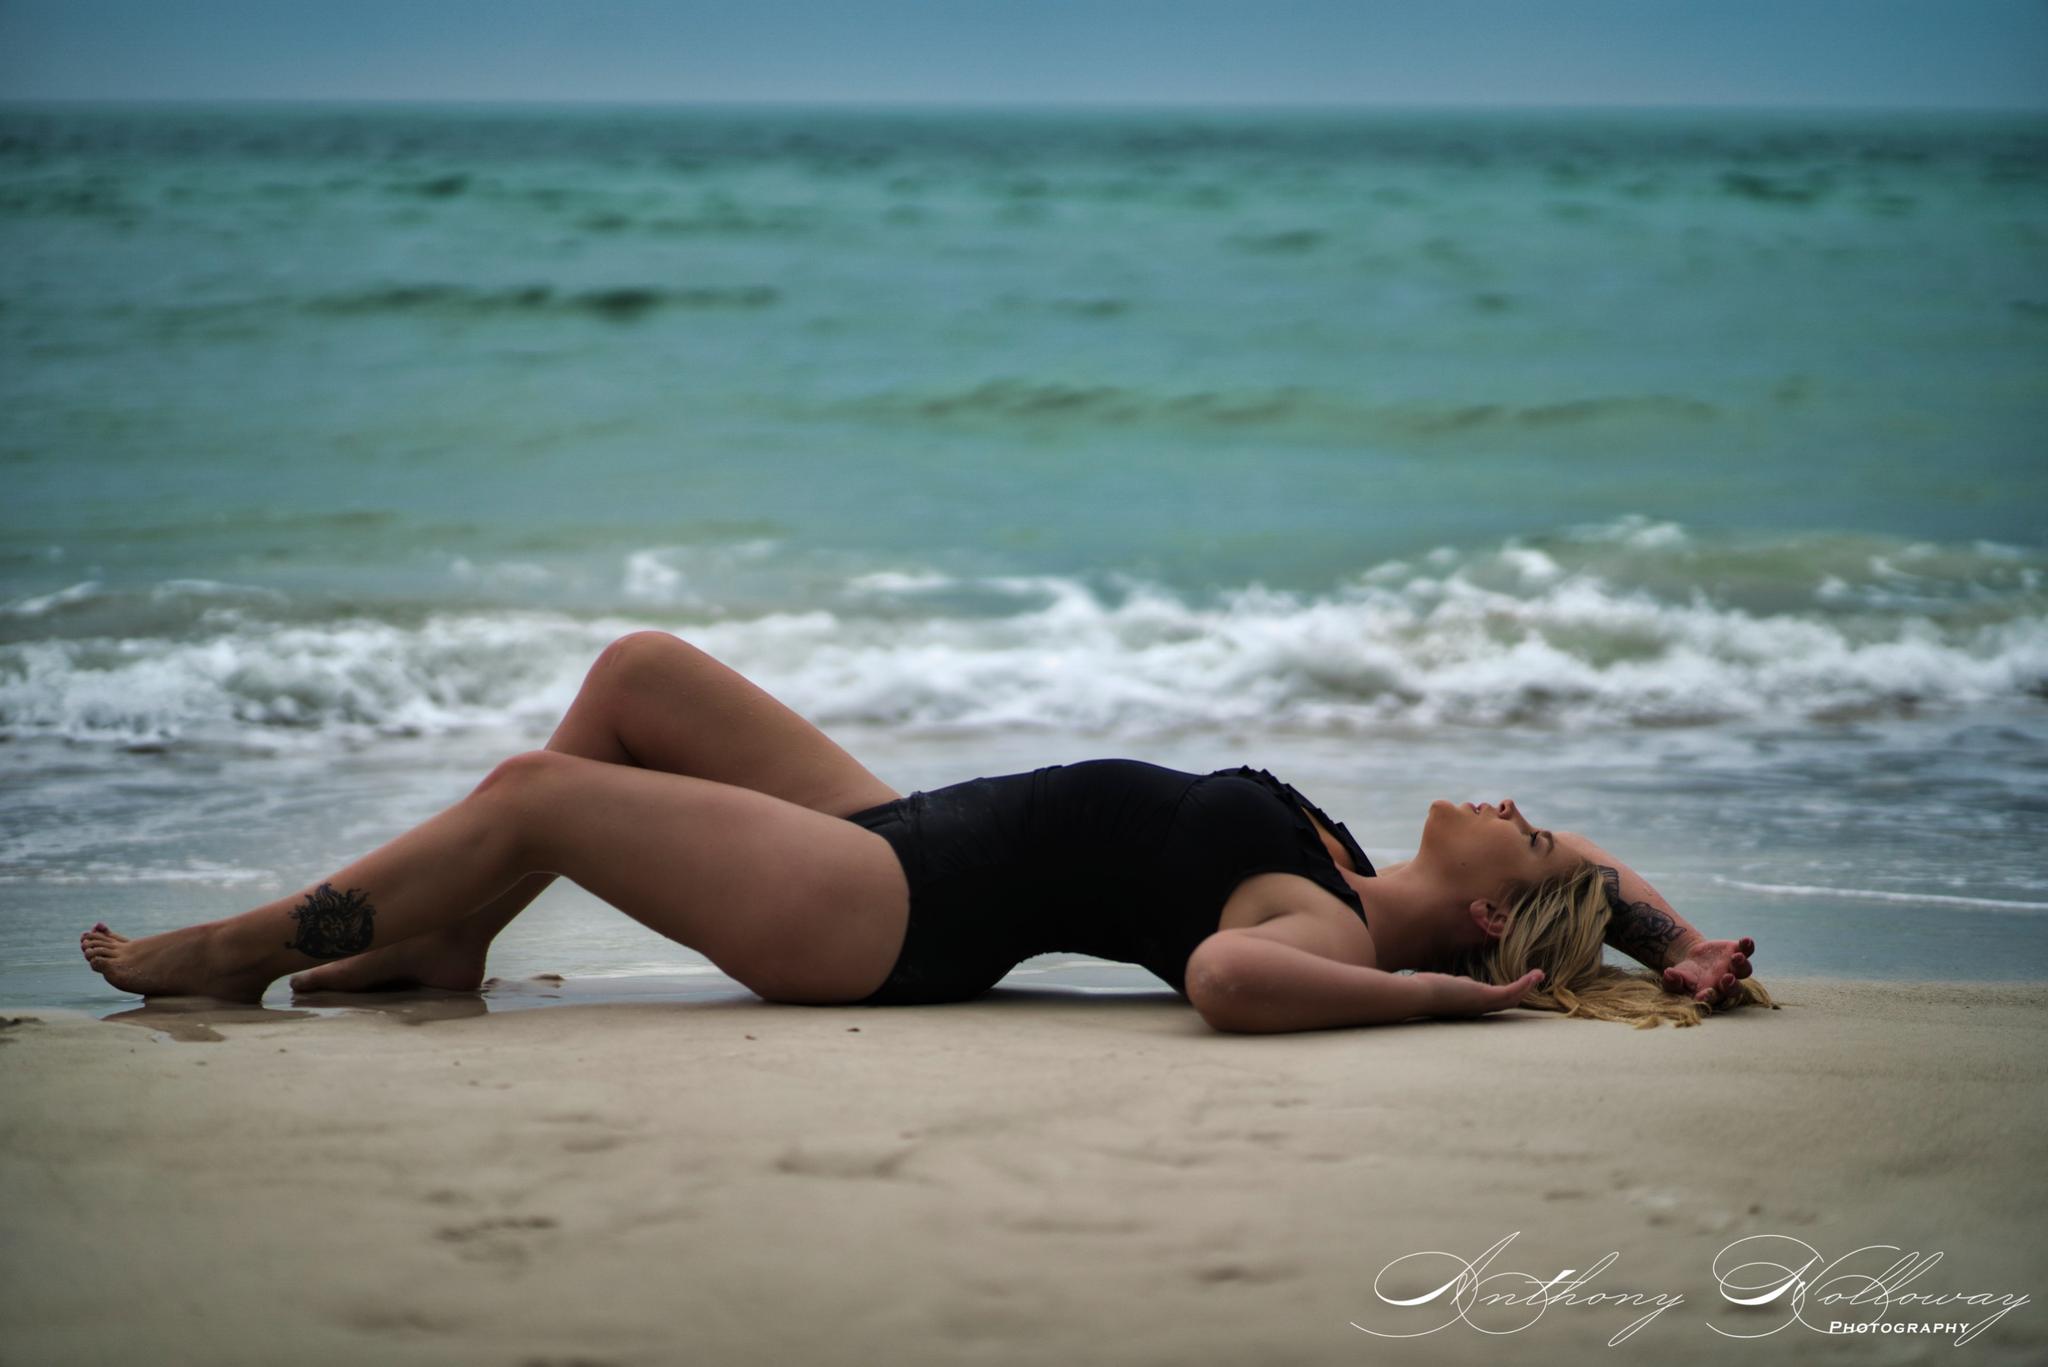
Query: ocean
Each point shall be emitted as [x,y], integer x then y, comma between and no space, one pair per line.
[1679,474]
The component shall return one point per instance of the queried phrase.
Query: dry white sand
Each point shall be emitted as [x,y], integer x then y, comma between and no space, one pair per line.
[1037,1177]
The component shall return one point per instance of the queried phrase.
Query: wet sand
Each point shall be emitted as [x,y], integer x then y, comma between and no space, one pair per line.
[1043,1176]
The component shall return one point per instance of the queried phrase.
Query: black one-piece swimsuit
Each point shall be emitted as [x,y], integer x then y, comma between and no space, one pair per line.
[1114,858]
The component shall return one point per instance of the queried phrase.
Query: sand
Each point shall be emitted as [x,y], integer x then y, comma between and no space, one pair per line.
[1037,1177]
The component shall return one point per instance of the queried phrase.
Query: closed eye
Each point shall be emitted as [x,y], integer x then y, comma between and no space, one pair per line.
[1545,835]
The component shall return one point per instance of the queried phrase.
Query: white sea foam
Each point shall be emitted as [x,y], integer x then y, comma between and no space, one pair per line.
[898,581]
[1396,645]
[200,872]
[649,577]
[172,589]
[42,604]
[1634,531]
[691,577]
[502,572]
[1866,894]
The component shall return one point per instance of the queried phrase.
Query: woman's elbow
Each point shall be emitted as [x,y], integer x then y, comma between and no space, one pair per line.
[1216,990]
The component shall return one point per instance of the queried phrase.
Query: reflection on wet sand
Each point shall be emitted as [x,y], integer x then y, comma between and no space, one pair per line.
[193,1020]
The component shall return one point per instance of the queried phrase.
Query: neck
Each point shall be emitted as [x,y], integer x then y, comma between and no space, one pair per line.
[1404,914]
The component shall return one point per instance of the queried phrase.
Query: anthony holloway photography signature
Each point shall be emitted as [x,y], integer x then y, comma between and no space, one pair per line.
[1794,1282]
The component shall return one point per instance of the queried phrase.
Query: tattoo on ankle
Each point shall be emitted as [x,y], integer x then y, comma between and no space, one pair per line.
[333,925]
[1637,929]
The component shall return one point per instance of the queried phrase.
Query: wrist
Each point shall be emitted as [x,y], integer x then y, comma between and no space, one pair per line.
[1425,994]
[1408,995]
[1682,947]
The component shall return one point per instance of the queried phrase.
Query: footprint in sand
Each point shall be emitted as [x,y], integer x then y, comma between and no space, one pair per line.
[849,1160]
[591,1131]
[505,1240]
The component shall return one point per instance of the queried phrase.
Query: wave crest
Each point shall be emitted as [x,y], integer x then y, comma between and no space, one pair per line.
[1515,636]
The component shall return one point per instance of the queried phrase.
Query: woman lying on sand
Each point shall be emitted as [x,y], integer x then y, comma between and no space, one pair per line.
[691,800]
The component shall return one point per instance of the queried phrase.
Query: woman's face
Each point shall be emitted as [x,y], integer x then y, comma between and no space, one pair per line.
[1478,847]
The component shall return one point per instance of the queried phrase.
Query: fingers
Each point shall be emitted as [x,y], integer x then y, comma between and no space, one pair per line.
[1738,967]
[1465,996]
[1512,993]
[1721,993]
[1712,984]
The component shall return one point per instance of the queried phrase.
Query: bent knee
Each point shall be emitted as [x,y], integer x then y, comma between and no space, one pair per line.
[630,654]
[523,771]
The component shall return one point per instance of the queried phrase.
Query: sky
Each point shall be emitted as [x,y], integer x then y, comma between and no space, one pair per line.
[1758,53]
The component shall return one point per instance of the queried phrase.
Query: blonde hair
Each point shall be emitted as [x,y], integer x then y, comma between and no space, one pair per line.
[1560,926]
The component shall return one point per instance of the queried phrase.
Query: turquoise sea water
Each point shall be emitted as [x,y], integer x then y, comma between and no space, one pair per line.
[1679,474]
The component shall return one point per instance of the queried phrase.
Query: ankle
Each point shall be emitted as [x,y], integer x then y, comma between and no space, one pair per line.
[241,945]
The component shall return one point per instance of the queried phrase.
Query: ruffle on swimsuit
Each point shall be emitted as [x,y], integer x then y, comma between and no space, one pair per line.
[1321,867]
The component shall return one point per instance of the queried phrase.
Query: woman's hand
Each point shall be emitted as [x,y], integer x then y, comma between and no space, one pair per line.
[1709,970]
[1451,994]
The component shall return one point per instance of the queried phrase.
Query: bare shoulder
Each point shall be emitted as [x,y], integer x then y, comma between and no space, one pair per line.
[1296,911]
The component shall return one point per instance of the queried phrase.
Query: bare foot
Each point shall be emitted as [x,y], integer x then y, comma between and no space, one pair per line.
[192,962]
[446,958]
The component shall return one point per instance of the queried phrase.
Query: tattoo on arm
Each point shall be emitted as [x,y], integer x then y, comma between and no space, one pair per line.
[1637,929]
[332,925]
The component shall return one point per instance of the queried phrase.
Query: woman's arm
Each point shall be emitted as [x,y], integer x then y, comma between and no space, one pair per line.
[1644,926]
[1249,984]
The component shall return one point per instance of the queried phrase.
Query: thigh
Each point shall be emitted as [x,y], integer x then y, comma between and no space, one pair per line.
[793,903]
[676,708]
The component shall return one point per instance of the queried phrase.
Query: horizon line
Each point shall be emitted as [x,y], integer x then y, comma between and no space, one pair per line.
[937,104]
